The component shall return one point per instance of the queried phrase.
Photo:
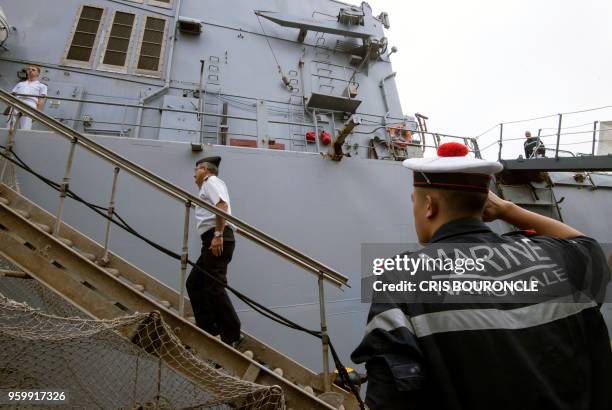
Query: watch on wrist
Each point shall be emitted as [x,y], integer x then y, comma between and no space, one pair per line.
[218,234]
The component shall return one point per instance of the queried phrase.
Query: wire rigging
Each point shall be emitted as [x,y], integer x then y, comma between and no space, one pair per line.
[603,107]
[280,69]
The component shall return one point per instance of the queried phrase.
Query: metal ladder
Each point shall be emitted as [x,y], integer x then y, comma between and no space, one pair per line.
[296,101]
[211,101]
[106,286]
[323,64]
[532,191]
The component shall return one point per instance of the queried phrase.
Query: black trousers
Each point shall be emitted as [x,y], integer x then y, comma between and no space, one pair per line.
[212,308]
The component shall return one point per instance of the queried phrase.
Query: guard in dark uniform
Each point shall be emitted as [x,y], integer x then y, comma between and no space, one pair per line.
[552,352]
[534,147]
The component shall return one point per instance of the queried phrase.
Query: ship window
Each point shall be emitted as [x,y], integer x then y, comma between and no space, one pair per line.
[151,45]
[84,35]
[118,41]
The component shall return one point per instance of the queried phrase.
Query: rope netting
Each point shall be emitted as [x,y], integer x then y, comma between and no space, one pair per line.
[131,362]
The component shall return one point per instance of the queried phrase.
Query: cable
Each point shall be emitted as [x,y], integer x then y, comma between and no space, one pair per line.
[483,133]
[546,136]
[268,41]
[549,116]
[371,131]
[569,126]
[261,309]
[280,69]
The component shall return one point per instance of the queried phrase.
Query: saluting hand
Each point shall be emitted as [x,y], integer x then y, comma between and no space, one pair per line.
[494,208]
[216,246]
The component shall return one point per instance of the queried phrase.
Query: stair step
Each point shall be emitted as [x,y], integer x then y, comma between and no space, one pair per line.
[4,201]
[24,214]
[112,271]
[138,287]
[165,303]
[66,242]
[43,227]
[191,319]
[87,255]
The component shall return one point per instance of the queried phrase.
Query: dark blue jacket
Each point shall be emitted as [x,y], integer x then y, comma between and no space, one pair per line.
[544,355]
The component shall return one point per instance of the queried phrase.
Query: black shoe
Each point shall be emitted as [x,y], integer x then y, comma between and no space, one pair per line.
[236,343]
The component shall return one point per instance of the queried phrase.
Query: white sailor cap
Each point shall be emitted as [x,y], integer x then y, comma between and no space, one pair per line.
[453,169]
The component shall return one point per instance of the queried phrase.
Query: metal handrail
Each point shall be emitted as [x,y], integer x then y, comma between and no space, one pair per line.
[228,116]
[558,135]
[245,229]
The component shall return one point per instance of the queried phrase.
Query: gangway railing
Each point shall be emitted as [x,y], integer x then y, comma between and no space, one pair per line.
[559,158]
[322,272]
[597,131]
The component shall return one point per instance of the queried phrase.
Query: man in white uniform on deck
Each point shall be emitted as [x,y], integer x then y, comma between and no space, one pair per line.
[36,91]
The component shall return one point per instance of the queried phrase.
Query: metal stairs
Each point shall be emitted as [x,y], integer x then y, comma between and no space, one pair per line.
[69,264]
[530,190]
[105,286]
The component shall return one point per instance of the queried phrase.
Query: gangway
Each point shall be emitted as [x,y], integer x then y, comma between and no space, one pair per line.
[105,286]
[584,163]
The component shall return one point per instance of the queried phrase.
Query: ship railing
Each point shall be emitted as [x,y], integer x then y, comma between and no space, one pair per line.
[558,141]
[322,272]
[427,139]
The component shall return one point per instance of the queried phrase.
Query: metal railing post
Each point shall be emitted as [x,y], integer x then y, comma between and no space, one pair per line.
[9,144]
[324,336]
[476,148]
[200,115]
[316,125]
[184,257]
[110,212]
[64,186]
[436,139]
[501,140]
[121,133]
[594,136]
[558,136]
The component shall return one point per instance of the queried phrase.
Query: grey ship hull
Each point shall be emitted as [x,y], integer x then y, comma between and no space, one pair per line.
[326,209]
[323,208]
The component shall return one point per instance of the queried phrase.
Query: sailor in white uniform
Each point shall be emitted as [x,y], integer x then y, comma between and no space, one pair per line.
[33,88]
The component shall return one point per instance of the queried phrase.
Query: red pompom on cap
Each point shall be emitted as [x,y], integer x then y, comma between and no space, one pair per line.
[452,149]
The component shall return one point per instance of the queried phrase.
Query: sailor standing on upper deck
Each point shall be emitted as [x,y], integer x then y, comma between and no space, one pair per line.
[212,308]
[494,355]
[35,98]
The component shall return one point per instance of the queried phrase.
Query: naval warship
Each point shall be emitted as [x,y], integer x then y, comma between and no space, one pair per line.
[299,100]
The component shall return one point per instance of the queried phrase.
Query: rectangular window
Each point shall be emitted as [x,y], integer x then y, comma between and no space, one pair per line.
[151,46]
[84,35]
[118,41]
